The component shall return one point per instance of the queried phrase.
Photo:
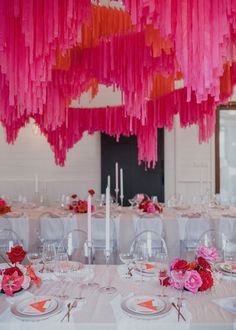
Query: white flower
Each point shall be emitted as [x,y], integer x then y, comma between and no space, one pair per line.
[26,282]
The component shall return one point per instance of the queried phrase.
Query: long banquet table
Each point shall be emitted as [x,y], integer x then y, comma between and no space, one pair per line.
[97,312]
[27,225]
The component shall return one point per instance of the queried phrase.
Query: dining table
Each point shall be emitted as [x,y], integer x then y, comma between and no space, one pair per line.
[26,223]
[212,309]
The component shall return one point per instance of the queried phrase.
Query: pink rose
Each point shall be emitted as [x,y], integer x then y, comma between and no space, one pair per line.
[2,203]
[194,281]
[151,208]
[208,253]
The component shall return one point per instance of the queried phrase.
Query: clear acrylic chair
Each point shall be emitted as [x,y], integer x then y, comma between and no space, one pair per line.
[151,224]
[73,244]
[99,239]
[8,239]
[151,239]
[51,229]
[213,238]
[194,229]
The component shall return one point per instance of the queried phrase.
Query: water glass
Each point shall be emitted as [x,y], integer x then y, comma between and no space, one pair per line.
[128,259]
[49,252]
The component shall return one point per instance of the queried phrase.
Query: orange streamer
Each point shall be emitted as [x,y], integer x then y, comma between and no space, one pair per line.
[157,42]
[162,85]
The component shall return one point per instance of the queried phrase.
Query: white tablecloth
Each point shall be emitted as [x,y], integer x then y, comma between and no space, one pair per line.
[97,312]
[28,226]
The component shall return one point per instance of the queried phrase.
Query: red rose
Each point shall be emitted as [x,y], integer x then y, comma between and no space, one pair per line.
[207,280]
[144,205]
[203,264]
[91,192]
[11,270]
[17,254]
[181,265]
[165,282]
[74,196]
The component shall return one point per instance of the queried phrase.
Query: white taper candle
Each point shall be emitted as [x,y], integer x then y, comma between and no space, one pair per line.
[107,219]
[117,174]
[89,221]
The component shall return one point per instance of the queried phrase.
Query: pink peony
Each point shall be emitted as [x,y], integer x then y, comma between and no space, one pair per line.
[12,283]
[208,253]
[194,281]
[2,203]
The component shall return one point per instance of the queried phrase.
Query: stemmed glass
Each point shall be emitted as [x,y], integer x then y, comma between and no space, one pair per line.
[128,259]
[49,253]
[230,257]
[163,270]
[132,202]
[141,259]
[61,265]
[180,277]
[108,289]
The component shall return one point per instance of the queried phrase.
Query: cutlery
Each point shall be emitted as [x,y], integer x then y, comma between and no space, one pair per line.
[68,311]
[179,312]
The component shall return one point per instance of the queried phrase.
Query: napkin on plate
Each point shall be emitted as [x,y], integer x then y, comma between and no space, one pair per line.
[125,322]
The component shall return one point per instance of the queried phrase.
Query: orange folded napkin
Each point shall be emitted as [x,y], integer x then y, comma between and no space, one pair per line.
[40,305]
[149,266]
[148,304]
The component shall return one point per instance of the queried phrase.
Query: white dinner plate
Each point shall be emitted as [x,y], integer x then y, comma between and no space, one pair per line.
[129,303]
[39,316]
[135,304]
[226,267]
[25,306]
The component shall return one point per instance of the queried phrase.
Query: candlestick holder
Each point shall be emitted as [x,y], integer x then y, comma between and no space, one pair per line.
[36,199]
[121,200]
[117,195]
[89,253]
[108,289]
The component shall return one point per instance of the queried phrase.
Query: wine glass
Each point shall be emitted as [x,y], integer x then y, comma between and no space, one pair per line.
[107,289]
[49,253]
[61,265]
[180,277]
[132,202]
[230,257]
[163,270]
[154,199]
[128,259]
[142,253]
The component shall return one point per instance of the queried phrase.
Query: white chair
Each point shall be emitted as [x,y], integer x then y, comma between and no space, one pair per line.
[151,239]
[9,239]
[74,244]
[51,229]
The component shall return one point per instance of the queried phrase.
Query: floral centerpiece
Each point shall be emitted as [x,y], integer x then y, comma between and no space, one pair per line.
[4,208]
[78,205]
[146,205]
[17,277]
[197,275]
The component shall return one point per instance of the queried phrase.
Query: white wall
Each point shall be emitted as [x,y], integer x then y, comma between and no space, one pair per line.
[31,154]
[188,163]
